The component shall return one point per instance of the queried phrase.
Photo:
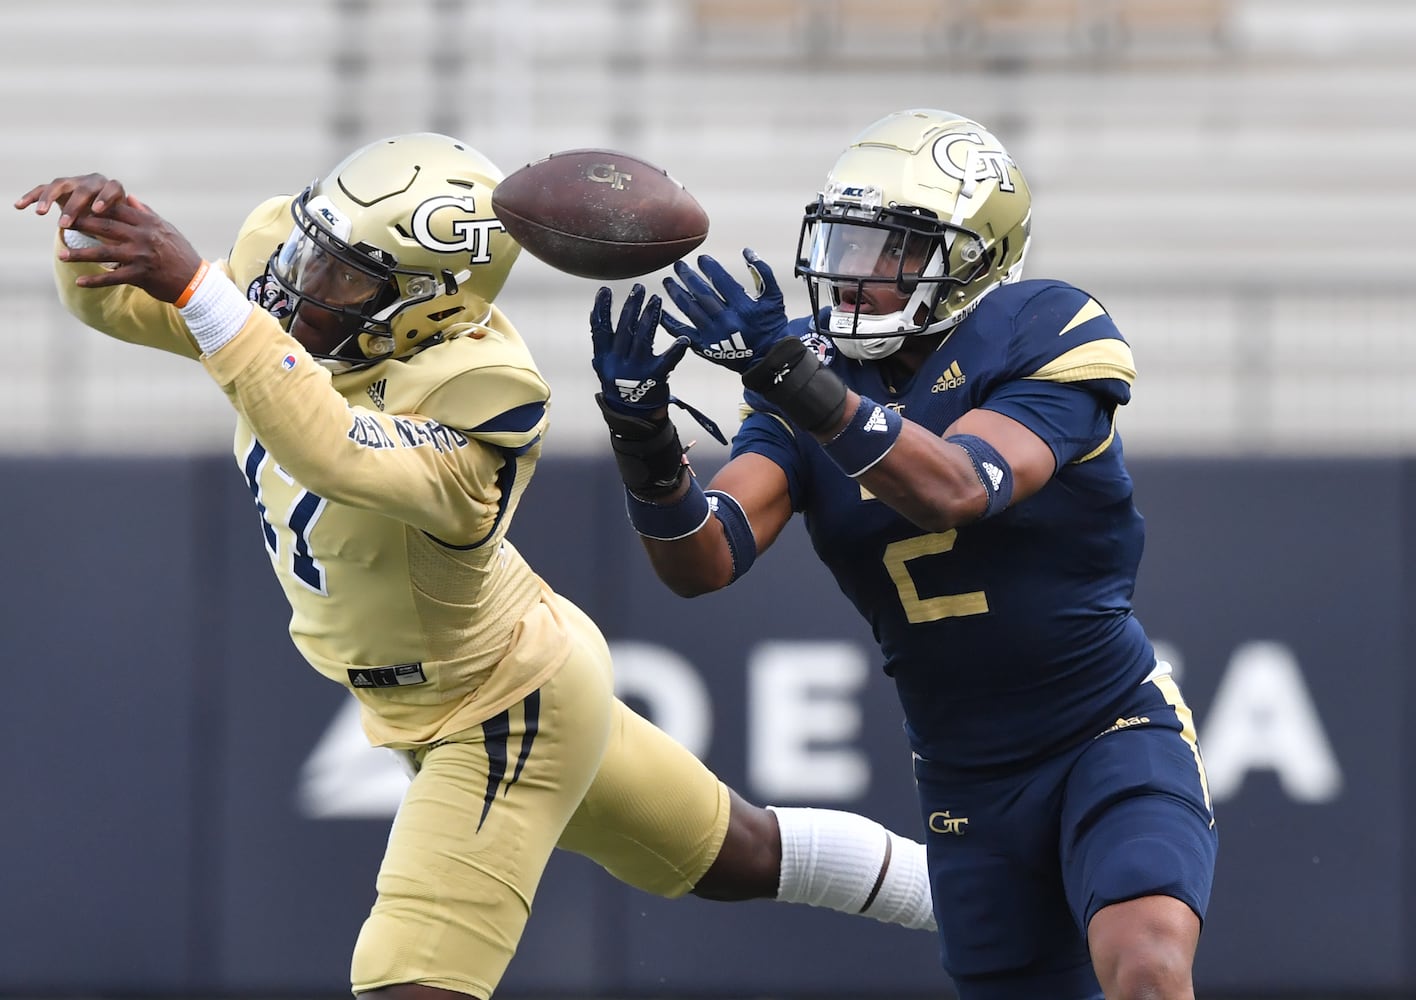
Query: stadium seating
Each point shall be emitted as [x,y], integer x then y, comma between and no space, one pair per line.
[1230,177]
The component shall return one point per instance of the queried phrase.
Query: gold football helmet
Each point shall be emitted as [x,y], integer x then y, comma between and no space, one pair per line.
[923,215]
[391,249]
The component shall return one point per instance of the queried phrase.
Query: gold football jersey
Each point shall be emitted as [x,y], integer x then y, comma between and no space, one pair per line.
[384,497]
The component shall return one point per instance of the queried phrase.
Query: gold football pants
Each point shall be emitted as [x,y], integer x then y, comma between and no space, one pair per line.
[477,825]
[475,830]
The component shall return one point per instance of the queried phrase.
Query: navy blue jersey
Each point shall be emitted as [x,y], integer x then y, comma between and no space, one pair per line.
[1013,637]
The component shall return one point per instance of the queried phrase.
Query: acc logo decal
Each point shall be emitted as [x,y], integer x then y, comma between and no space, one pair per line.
[968,158]
[457,228]
[822,346]
[266,292]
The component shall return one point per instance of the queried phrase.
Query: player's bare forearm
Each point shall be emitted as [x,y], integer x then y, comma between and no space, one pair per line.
[698,564]
[935,483]
[927,480]
[704,561]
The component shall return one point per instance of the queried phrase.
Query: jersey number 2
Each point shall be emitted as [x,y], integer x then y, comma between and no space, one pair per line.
[300,519]
[898,556]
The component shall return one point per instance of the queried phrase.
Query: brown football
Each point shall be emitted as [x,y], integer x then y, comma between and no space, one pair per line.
[599,213]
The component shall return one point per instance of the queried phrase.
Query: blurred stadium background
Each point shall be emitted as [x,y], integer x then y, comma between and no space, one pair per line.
[1232,178]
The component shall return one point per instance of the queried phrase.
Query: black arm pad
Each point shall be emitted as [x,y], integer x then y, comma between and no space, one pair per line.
[792,378]
[648,452]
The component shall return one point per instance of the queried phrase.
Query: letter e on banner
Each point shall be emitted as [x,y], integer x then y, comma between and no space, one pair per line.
[802,716]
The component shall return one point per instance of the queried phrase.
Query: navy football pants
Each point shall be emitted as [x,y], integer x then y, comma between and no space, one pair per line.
[1020,863]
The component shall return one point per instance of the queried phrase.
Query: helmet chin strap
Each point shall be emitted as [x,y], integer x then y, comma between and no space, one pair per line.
[890,337]
[866,337]
[871,349]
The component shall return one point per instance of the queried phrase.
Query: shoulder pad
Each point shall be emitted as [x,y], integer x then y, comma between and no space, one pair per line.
[1062,334]
[266,228]
[481,381]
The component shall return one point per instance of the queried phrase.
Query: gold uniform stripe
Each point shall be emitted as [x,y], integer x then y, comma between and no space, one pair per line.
[1099,448]
[1096,359]
[745,411]
[1171,691]
[1088,312]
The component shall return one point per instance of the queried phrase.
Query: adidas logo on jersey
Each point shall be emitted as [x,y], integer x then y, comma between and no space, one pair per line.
[376,392]
[952,378]
[876,422]
[633,390]
[728,350]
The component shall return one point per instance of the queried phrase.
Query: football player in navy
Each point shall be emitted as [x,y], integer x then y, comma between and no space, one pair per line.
[389,416]
[947,430]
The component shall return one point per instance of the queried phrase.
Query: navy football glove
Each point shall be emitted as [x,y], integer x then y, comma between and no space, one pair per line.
[726,325]
[633,379]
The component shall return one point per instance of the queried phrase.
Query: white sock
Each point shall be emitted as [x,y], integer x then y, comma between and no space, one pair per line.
[852,864]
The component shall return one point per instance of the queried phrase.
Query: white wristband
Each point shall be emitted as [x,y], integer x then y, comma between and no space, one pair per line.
[216,311]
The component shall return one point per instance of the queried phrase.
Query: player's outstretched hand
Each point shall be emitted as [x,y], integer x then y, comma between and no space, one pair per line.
[75,196]
[633,379]
[139,246]
[725,324]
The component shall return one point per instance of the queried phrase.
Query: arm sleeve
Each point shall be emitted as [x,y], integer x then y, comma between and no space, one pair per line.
[1073,421]
[454,483]
[122,312]
[765,432]
[131,315]
[1068,368]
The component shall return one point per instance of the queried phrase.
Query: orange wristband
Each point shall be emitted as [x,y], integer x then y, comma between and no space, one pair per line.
[191,288]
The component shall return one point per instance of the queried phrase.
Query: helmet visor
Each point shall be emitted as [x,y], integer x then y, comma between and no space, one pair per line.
[318,265]
[865,250]
[335,291]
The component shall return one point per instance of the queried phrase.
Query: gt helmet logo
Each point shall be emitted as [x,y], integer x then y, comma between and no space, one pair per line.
[967,158]
[466,233]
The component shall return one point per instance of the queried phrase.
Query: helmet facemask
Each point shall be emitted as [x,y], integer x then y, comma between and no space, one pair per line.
[921,216]
[394,250]
[349,293]
[852,249]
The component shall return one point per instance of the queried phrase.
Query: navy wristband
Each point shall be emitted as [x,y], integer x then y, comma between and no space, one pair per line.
[742,543]
[871,433]
[669,522]
[992,469]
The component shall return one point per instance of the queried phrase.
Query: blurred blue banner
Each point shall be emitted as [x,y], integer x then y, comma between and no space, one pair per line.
[190,809]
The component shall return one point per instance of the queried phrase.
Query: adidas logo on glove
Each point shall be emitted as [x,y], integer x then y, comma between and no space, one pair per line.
[727,350]
[633,390]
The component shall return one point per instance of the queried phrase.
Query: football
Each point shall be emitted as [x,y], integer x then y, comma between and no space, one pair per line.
[599,213]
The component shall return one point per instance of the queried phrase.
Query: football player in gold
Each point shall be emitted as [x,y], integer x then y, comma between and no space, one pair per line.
[389,417]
